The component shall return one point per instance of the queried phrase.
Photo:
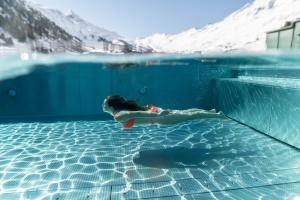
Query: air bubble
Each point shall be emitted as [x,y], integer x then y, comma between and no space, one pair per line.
[12,92]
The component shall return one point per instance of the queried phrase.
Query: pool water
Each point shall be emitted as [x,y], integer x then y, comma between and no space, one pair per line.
[200,159]
[57,143]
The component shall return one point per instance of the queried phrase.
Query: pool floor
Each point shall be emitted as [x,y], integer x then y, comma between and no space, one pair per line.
[201,159]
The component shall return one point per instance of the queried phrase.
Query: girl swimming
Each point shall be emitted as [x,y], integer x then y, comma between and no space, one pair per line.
[129,113]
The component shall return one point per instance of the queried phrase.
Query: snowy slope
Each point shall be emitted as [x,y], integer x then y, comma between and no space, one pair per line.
[77,26]
[5,38]
[93,37]
[6,42]
[24,28]
[243,30]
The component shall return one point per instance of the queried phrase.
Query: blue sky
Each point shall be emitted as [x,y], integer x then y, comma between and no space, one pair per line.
[140,18]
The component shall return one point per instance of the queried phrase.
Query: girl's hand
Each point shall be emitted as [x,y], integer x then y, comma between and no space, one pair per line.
[116,116]
[121,116]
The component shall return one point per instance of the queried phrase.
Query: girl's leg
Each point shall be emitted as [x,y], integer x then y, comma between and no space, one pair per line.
[188,111]
[196,111]
[178,117]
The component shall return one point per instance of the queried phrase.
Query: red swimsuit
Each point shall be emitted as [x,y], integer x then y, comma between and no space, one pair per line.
[130,123]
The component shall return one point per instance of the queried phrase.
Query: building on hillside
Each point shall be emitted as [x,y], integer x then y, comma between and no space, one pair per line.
[287,37]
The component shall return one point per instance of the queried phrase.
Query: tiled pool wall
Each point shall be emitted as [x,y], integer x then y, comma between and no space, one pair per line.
[78,89]
[267,100]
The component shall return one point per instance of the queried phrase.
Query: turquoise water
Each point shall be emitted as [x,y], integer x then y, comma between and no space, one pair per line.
[56,143]
[98,160]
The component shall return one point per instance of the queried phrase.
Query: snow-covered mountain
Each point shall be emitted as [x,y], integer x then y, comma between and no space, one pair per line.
[21,26]
[94,38]
[242,30]
[77,26]
[27,26]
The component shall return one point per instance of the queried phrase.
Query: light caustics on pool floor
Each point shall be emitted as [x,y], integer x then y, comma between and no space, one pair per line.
[201,159]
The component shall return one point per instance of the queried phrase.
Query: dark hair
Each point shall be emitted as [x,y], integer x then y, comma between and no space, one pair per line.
[120,103]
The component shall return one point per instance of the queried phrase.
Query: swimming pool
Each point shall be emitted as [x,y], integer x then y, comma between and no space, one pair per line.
[55,142]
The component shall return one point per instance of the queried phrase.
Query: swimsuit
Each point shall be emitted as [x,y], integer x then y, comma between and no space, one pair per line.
[130,123]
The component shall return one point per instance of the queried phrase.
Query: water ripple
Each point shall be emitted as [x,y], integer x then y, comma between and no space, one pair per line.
[99,160]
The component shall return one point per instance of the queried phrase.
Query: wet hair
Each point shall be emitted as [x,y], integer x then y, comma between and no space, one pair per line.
[119,103]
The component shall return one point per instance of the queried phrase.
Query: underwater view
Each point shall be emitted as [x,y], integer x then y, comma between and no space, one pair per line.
[157,99]
[58,143]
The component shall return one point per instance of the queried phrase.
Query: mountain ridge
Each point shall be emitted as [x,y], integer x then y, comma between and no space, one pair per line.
[51,31]
[242,30]
[22,24]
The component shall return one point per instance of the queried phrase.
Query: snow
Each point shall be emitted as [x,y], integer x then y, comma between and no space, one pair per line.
[77,26]
[5,50]
[86,36]
[243,30]
[93,37]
